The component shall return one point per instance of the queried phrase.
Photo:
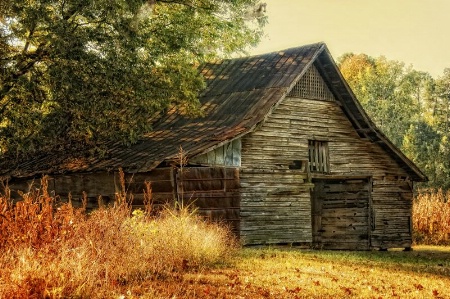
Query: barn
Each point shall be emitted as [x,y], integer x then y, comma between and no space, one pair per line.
[284,153]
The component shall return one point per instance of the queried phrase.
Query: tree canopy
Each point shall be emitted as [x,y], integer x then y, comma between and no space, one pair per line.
[84,72]
[410,107]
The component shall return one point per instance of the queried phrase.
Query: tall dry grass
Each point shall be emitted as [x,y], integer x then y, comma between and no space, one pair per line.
[51,250]
[431,217]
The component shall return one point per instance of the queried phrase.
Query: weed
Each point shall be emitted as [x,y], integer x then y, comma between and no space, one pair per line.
[52,250]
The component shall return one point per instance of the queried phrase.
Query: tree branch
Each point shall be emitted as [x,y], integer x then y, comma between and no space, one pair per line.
[30,34]
[28,61]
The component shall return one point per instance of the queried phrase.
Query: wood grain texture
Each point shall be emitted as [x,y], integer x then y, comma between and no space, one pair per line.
[276,200]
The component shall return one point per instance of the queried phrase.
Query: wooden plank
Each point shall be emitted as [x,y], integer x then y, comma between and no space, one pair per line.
[284,137]
[332,203]
[214,191]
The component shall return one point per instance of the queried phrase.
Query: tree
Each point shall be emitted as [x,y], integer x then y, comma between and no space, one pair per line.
[428,149]
[391,93]
[441,104]
[356,69]
[409,106]
[84,72]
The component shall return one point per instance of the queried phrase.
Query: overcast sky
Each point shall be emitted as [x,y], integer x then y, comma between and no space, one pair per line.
[416,32]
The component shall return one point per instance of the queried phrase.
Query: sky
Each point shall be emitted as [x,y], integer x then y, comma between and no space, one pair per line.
[416,32]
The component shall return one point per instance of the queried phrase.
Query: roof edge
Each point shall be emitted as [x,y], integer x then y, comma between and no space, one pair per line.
[366,123]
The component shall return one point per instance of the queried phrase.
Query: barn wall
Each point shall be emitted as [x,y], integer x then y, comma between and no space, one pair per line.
[392,209]
[275,206]
[105,185]
[270,151]
[228,154]
[214,191]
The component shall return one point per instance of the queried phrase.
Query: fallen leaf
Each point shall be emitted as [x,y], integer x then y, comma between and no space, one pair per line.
[418,286]
[264,292]
[294,291]
[348,291]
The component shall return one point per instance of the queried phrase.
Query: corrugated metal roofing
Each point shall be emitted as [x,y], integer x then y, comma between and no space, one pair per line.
[240,93]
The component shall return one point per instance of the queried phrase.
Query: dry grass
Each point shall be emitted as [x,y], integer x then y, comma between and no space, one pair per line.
[335,274]
[49,252]
[431,217]
[293,273]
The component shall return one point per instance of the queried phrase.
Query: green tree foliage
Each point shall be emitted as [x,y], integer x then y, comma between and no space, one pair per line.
[410,107]
[77,72]
[386,89]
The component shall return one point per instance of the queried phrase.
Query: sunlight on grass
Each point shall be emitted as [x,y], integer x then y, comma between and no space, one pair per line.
[115,252]
[284,272]
[424,273]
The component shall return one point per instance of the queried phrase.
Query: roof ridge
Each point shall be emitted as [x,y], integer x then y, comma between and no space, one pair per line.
[245,57]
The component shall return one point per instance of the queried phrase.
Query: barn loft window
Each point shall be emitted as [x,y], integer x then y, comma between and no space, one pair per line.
[312,86]
[319,160]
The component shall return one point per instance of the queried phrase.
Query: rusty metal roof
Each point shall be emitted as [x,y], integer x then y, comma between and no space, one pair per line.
[240,94]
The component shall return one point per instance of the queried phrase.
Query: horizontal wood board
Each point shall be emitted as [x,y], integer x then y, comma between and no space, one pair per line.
[340,210]
[268,152]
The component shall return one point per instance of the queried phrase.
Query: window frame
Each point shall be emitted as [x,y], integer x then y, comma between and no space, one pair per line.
[318,156]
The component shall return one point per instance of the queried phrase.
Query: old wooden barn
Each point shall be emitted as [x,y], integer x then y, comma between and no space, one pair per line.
[285,154]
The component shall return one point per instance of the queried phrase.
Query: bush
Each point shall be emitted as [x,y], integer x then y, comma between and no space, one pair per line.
[63,252]
[431,217]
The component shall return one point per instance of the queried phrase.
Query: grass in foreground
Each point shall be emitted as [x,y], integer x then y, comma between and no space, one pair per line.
[57,251]
[293,273]
[52,250]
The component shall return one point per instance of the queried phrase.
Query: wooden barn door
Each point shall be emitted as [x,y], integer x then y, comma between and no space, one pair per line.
[341,214]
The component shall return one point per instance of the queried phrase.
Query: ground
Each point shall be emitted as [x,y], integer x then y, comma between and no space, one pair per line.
[289,272]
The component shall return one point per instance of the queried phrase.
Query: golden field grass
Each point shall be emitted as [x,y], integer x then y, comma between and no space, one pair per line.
[299,273]
[431,217]
[50,249]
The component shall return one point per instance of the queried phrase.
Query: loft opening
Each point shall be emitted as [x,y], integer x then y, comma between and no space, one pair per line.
[319,157]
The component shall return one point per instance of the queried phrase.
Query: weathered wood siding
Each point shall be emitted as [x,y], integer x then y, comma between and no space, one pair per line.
[92,184]
[214,191]
[392,205]
[228,154]
[269,216]
[104,186]
[341,214]
[275,206]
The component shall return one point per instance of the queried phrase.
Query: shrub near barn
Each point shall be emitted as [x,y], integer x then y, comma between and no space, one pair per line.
[54,250]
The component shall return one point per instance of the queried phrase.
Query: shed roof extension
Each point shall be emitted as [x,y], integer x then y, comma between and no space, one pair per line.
[240,94]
